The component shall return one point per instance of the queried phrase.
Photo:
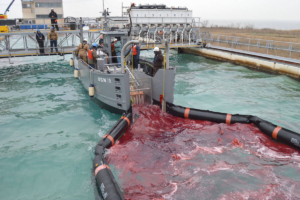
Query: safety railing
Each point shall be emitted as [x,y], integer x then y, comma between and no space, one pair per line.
[269,47]
[47,51]
[24,41]
[62,23]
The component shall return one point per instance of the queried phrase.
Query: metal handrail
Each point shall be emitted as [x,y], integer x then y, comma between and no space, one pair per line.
[289,47]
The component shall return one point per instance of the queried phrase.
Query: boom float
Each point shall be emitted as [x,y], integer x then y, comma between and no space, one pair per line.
[278,133]
[106,183]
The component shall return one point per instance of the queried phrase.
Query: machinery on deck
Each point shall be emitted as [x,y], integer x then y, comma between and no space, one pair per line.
[4,22]
[159,22]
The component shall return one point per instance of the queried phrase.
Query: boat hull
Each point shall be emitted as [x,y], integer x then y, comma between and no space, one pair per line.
[111,90]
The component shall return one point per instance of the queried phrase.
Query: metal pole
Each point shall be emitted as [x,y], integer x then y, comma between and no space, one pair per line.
[9,57]
[249,44]
[103,5]
[81,31]
[167,53]
[122,10]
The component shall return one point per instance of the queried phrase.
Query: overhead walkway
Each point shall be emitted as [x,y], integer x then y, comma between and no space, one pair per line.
[20,44]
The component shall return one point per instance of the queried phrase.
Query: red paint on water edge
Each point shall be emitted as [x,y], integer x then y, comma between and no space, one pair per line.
[166,157]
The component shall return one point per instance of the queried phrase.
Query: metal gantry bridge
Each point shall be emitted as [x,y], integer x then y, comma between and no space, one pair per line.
[19,44]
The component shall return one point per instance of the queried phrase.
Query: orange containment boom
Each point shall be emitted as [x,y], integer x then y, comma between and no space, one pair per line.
[278,133]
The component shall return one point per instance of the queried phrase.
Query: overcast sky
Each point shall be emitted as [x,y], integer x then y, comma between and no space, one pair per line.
[206,9]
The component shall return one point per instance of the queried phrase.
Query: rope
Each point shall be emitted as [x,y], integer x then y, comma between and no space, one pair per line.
[125,59]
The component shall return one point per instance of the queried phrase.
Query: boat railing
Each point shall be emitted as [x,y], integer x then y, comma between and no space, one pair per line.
[133,79]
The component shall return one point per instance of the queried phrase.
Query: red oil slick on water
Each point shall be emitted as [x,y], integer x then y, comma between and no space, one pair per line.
[166,157]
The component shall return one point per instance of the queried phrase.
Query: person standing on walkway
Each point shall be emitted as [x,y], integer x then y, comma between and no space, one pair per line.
[92,56]
[53,17]
[118,49]
[158,60]
[40,38]
[53,39]
[82,50]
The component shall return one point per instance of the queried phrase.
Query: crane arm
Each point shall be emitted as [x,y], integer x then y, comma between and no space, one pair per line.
[7,9]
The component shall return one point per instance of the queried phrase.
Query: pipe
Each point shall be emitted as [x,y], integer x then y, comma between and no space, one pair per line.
[148,34]
[123,52]
[140,34]
[190,37]
[130,23]
[182,34]
[81,30]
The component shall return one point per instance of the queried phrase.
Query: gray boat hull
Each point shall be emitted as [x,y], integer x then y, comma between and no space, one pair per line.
[112,90]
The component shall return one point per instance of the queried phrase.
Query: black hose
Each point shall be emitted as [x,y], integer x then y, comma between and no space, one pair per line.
[145,63]
[130,24]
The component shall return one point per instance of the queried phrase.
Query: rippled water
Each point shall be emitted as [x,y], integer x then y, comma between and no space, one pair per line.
[166,157]
[49,125]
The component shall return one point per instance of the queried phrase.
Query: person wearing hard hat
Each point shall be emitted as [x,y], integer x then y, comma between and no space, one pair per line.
[53,17]
[53,39]
[40,38]
[118,49]
[82,50]
[92,55]
[158,60]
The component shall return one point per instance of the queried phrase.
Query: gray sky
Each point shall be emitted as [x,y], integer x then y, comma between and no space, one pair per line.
[206,9]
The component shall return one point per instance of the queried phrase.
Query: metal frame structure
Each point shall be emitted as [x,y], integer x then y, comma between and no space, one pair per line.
[25,44]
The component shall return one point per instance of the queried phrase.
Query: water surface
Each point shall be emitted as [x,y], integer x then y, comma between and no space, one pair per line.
[49,126]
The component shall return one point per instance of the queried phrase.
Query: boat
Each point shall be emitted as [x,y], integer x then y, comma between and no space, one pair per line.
[117,87]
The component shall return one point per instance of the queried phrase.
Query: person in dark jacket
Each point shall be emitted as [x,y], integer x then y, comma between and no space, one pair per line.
[136,55]
[40,38]
[101,40]
[53,17]
[158,60]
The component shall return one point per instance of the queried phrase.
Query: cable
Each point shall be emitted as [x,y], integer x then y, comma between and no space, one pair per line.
[164,75]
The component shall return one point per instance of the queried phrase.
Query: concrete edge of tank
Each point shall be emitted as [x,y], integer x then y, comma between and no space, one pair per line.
[248,61]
